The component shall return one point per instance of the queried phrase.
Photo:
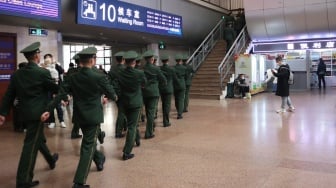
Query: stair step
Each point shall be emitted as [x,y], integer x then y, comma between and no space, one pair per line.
[205,84]
[204,96]
[210,70]
[200,84]
[206,91]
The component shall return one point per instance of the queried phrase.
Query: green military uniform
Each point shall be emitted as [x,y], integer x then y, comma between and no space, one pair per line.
[142,117]
[166,91]
[75,129]
[30,85]
[87,86]
[157,104]
[229,19]
[131,81]
[138,62]
[179,85]
[151,91]
[113,76]
[101,133]
[229,36]
[189,75]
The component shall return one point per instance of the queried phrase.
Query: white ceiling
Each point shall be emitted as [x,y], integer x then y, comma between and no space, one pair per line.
[273,20]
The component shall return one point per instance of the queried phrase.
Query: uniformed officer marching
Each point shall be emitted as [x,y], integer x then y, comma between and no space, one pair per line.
[75,129]
[131,81]
[189,75]
[113,76]
[166,91]
[87,86]
[179,85]
[151,91]
[30,85]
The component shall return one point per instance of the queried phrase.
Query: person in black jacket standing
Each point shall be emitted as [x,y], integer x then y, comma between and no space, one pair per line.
[282,85]
[321,71]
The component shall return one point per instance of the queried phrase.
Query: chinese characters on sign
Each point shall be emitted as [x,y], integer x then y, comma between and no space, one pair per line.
[297,45]
[121,15]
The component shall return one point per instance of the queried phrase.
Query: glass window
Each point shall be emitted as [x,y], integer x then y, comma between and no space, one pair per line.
[103,54]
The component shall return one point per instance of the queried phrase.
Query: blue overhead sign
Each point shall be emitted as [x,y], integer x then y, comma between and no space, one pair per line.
[39,9]
[121,15]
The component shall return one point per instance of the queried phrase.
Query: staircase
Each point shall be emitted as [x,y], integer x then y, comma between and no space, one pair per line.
[206,82]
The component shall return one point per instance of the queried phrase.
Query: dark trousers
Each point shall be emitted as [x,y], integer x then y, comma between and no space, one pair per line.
[150,107]
[166,103]
[59,111]
[179,100]
[121,120]
[75,129]
[229,43]
[244,90]
[321,78]
[34,141]
[186,98]
[17,120]
[88,152]
[132,115]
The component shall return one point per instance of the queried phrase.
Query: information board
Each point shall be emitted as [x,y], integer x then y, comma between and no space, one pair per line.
[39,9]
[7,56]
[294,45]
[121,15]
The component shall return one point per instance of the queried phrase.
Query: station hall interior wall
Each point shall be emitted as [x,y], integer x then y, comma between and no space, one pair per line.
[48,43]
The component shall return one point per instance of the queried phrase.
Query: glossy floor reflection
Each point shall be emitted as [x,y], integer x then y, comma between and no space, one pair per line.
[230,143]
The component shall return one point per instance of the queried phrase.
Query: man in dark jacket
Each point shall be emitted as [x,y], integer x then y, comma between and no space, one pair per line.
[86,86]
[321,71]
[151,92]
[166,91]
[179,85]
[229,36]
[282,85]
[30,85]
[131,81]
[113,76]
[189,74]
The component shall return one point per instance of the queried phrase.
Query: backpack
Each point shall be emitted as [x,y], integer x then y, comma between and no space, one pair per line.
[291,76]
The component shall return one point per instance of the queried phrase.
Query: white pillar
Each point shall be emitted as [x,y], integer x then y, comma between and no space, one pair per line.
[155,48]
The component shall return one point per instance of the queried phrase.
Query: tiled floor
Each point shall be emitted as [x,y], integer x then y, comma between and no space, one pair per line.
[230,143]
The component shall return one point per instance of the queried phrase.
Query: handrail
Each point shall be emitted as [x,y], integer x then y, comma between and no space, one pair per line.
[228,61]
[197,58]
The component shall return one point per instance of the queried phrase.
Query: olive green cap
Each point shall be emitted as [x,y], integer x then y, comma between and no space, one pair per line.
[130,55]
[119,54]
[75,57]
[185,57]
[164,57]
[148,53]
[88,51]
[138,58]
[31,48]
[178,56]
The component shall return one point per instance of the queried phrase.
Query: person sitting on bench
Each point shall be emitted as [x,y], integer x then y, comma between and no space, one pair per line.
[240,86]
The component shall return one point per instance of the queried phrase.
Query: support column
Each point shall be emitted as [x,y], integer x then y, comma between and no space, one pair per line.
[155,48]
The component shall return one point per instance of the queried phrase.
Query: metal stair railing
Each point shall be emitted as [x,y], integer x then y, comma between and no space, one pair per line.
[237,47]
[199,55]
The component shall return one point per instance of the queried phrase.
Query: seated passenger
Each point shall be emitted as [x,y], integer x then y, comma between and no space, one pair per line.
[240,86]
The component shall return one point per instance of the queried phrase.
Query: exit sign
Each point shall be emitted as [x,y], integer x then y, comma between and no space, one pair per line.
[38,32]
